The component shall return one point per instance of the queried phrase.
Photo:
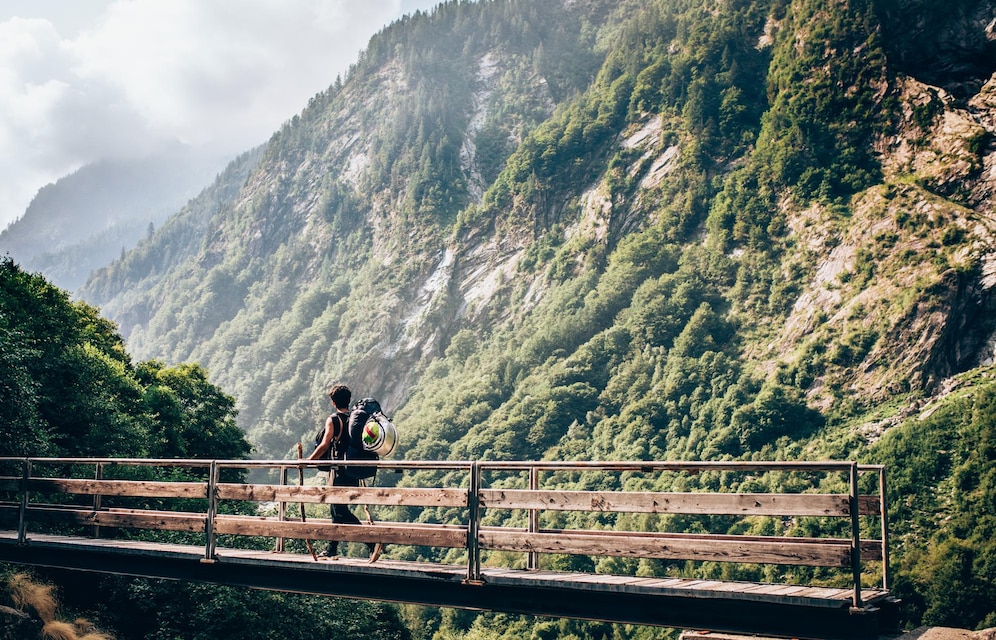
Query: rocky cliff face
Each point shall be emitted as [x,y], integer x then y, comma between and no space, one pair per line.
[896,324]
[950,45]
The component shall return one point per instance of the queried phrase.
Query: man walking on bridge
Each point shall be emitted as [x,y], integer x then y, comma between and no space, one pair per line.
[334,442]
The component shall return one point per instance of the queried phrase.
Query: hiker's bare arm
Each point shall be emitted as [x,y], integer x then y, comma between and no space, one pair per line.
[326,442]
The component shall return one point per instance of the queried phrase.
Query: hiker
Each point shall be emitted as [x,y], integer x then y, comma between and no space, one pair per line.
[335,441]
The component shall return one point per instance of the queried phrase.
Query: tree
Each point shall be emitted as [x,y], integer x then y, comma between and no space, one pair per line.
[191,418]
[776,411]
[70,389]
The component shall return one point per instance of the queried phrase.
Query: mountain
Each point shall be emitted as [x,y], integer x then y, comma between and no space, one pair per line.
[599,229]
[526,182]
[87,219]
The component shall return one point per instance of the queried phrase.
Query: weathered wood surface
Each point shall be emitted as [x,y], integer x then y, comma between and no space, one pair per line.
[128,488]
[476,502]
[125,518]
[751,591]
[819,505]
[686,602]
[387,532]
[871,549]
[755,609]
[395,496]
[789,551]
[802,504]
[870,505]
[828,552]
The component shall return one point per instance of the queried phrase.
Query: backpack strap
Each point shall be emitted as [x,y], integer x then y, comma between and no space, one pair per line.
[336,450]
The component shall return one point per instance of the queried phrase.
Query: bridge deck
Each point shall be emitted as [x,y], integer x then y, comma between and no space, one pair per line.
[787,610]
[508,512]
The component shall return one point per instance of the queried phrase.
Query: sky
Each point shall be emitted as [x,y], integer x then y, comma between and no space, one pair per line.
[82,80]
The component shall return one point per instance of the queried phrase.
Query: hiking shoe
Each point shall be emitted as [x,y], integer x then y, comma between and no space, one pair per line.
[331,553]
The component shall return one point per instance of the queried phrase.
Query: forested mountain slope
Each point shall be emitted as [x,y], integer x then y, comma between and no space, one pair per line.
[592,196]
[597,230]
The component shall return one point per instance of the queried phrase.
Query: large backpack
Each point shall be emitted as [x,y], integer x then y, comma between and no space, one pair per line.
[355,450]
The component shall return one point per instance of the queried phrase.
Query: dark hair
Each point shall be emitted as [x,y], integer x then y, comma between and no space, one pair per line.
[340,396]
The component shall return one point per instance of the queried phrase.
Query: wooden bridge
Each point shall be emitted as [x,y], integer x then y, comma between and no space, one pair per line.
[518,537]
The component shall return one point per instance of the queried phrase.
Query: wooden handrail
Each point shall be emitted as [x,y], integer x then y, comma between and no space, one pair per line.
[700,503]
[479,497]
[392,496]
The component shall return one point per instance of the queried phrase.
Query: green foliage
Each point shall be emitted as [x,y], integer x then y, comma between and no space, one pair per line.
[776,411]
[815,137]
[70,375]
[21,425]
[560,153]
[61,359]
[74,392]
[151,609]
[942,478]
[193,418]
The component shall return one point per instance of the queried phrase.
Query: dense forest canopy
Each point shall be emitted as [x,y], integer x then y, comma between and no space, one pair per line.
[70,389]
[662,229]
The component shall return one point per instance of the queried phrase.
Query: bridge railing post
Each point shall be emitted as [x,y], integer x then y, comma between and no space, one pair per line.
[532,559]
[282,509]
[98,475]
[884,519]
[212,494]
[22,521]
[474,524]
[855,536]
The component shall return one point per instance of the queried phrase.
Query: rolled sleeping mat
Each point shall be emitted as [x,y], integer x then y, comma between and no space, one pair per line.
[379,435]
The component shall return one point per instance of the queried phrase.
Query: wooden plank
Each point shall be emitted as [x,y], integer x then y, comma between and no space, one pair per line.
[394,496]
[766,589]
[790,590]
[829,593]
[790,551]
[673,582]
[732,586]
[870,505]
[127,518]
[10,513]
[387,532]
[775,504]
[129,488]
[701,585]
[871,549]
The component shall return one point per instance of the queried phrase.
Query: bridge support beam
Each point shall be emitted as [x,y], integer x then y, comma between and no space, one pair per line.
[446,586]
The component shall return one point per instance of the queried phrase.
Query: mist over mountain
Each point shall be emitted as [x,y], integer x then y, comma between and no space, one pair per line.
[620,230]
[85,220]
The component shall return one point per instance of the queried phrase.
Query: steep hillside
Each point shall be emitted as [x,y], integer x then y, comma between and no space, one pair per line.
[321,266]
[92,216]
[755,195]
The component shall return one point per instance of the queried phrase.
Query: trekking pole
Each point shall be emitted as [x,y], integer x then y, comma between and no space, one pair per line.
[378,546]
[300,482]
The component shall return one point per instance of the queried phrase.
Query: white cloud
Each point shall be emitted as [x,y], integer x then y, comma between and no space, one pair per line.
[144,72]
